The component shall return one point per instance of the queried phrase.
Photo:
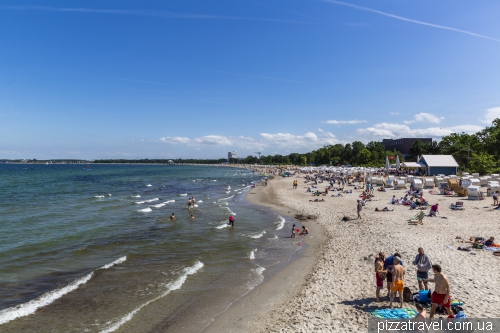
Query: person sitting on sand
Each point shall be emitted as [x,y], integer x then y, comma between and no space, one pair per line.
[318,200]
[422,313]
[337,195]
[381,189]
[304,231]
[393,200]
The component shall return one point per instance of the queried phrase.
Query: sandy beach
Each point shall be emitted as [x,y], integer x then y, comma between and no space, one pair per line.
[331,287]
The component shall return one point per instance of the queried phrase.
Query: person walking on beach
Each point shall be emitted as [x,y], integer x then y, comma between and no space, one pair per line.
[231,220]
[379,273]
[495,198]
[441,294]
[424,265]
[359,208]
[295,184]
[398,281]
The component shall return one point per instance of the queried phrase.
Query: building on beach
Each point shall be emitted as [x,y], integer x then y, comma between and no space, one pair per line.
[403,145]
[434,165]
[231,154]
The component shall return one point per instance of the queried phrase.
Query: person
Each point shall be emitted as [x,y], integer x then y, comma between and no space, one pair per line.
[304,231]
[189,204]
[441,294]
[293,232]
[295,184]
[422,314]
[389,265]
[231,220]
[495,198]
[172,217]
[192,217]
[424,265]
[393,200]
[490,242]
[398,282]
[385,209]
[359,208]
[434,210]
[379,274]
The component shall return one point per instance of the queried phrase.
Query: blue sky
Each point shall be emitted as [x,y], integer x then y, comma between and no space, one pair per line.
[196,79]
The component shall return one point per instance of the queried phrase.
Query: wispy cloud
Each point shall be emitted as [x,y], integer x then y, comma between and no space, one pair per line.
[345,122]
[251,75]
[397,17]
[427,117]
[162,14]
[491,114]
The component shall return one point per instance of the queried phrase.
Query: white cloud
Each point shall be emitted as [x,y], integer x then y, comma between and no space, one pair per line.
[345,122]
[217,140]
[491,114]
[175,139]
[309,140]
[425,117]
[394,113]
[388,130]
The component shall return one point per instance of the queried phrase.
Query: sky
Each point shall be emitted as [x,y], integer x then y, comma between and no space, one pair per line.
[197,79]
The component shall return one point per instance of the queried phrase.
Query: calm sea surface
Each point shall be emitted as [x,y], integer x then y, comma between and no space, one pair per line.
[95,250]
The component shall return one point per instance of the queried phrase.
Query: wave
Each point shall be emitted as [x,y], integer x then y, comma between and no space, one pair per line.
[109,194]
[183,195]
[226,198]
[195,206]
[162,204]
[135,196]
[199,201]
[149,185]
[28,308]
[150,200]
[258,235]
[174,285]
[282,223]
[145,210]
[252,254]
[229,187]
[99,196]
[222,226]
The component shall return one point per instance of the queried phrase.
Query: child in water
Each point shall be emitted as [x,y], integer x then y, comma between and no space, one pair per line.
[293,231]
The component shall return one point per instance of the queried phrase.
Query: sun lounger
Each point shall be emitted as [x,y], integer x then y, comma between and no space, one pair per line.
[417,219]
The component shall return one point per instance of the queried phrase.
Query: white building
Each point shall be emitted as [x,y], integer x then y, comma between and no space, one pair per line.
[231,154]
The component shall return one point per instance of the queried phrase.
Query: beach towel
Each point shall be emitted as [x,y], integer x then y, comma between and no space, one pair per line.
[406,313]
[456,302]
[494,249]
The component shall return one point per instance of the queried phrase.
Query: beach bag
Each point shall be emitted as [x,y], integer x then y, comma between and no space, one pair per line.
[477,246]
[407,295]
[424,296]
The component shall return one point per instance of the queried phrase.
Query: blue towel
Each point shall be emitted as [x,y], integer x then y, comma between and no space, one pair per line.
[406,313]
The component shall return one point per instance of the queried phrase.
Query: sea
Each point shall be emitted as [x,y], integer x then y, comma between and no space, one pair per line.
[93,248]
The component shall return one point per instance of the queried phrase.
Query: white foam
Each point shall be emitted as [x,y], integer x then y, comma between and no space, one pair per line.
[195,206]
[229,187]
[150,200]
[109,194]
[116,262]
[145,210]
[135,196]
[282,223]
[199,201]
[99,196]
[214,180]
[226,198]
[183,195]
[252,254]
[175,285]
[228,192]
[28,308]
[162,204]
[149,185]
[258,235]
[222,226]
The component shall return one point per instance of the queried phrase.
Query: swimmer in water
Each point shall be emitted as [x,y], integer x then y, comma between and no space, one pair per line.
[293,232]
[192,217]
[189,204]
[172,217]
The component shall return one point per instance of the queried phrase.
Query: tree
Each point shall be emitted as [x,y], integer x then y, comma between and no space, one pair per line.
[482,163]
[364,156]
[418,148]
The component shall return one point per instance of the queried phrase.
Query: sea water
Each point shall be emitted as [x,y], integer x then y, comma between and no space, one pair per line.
[94,250]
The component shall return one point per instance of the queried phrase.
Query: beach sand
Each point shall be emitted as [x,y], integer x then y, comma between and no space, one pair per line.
[332,286]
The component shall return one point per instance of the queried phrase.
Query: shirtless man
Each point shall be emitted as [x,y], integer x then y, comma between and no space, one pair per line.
[441,294]
[189,204]
[379,273]
[398,281]
[172,217]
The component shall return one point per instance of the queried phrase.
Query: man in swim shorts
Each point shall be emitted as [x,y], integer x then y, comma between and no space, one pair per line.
[441,294]
[398,282]
[379,274]
[389,266]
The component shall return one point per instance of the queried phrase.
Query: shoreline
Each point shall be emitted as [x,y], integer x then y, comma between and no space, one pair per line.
[252,311]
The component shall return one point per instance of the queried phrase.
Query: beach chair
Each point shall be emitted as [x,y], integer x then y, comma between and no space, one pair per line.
[417,219]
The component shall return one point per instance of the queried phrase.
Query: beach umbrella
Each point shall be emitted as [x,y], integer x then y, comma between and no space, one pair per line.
[387,163]
[397,162]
